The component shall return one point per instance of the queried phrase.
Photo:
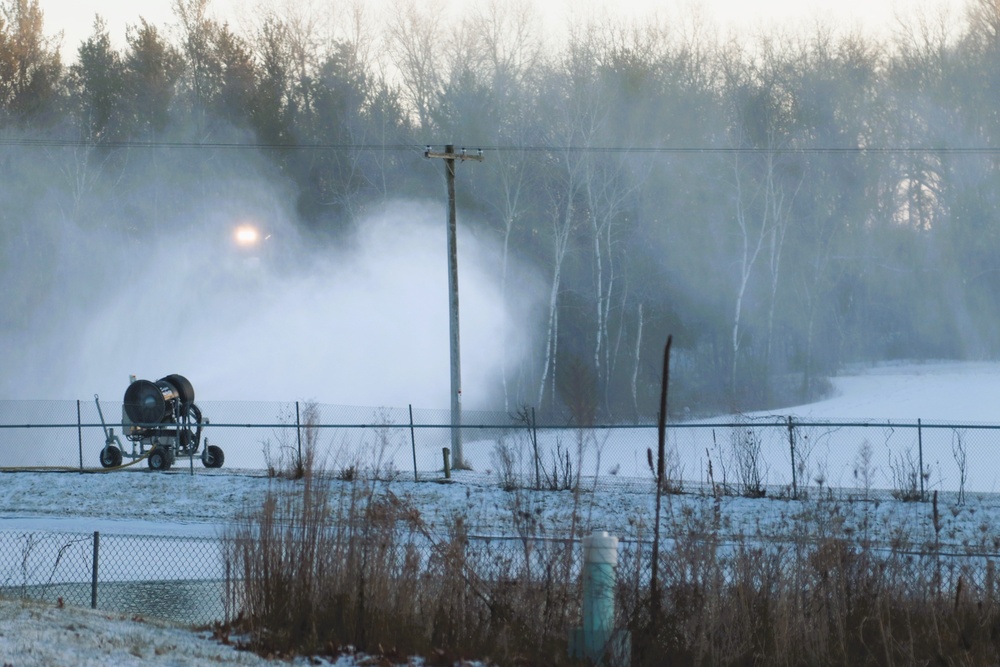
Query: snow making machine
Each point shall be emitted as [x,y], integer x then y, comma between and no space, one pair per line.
[162,422]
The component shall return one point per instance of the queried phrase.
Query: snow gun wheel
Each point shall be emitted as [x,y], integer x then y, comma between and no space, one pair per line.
[159,459]
[212,457]
[111,457]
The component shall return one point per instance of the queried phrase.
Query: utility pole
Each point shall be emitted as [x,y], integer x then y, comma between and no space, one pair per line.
[450,156]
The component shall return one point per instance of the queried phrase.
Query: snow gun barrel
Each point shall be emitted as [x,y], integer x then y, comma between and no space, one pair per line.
[149,402]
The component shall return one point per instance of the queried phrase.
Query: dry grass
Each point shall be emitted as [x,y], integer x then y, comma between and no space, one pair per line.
[819,595]
[327,564]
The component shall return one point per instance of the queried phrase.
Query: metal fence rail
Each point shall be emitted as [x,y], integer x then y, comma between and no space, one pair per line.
[746,455]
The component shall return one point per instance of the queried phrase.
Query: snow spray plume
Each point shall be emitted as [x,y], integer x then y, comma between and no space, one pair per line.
[173,260]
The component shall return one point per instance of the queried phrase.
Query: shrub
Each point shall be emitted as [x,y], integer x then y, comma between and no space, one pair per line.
[323,565]
[749,461]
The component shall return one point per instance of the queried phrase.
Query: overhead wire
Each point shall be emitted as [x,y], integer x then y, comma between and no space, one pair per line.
[533,148]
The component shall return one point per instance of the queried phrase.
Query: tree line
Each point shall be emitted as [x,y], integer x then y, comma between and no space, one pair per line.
[783,205]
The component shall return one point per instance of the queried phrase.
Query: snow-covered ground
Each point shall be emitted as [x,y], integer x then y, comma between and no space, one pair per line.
[957,392]
[43,635]
[180,505]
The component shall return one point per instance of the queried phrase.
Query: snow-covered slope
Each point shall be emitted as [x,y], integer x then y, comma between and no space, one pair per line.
[940,391]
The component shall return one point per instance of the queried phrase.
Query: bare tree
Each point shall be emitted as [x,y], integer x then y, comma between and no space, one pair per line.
[562,216]
[761,108]
[983,18]
[506,32]
[414,44]
[574,114]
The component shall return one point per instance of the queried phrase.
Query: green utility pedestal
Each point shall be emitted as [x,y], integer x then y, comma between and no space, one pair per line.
[598,640]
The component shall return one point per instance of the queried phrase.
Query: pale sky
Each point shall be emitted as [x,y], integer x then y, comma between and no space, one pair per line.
[75,17]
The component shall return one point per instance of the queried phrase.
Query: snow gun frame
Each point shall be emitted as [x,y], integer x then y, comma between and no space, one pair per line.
[162,422]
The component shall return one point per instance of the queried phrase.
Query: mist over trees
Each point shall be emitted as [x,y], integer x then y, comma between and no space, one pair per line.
[782,205]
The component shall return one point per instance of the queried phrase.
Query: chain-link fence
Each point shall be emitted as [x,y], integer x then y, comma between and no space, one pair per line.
[176,578]
[195,581]
[192,580]
[745,456]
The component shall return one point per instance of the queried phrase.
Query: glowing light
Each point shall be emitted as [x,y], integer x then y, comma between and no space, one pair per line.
[246,235]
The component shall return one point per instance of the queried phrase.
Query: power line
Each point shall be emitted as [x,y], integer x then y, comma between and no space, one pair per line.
[74,143]
[987,150]
[543,148]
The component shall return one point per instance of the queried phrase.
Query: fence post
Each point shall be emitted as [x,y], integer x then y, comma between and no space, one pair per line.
[534,442]
[920,454]
[79,432]
[791,444]
[446,453]
[93,576]
[413,445]
[298,432]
